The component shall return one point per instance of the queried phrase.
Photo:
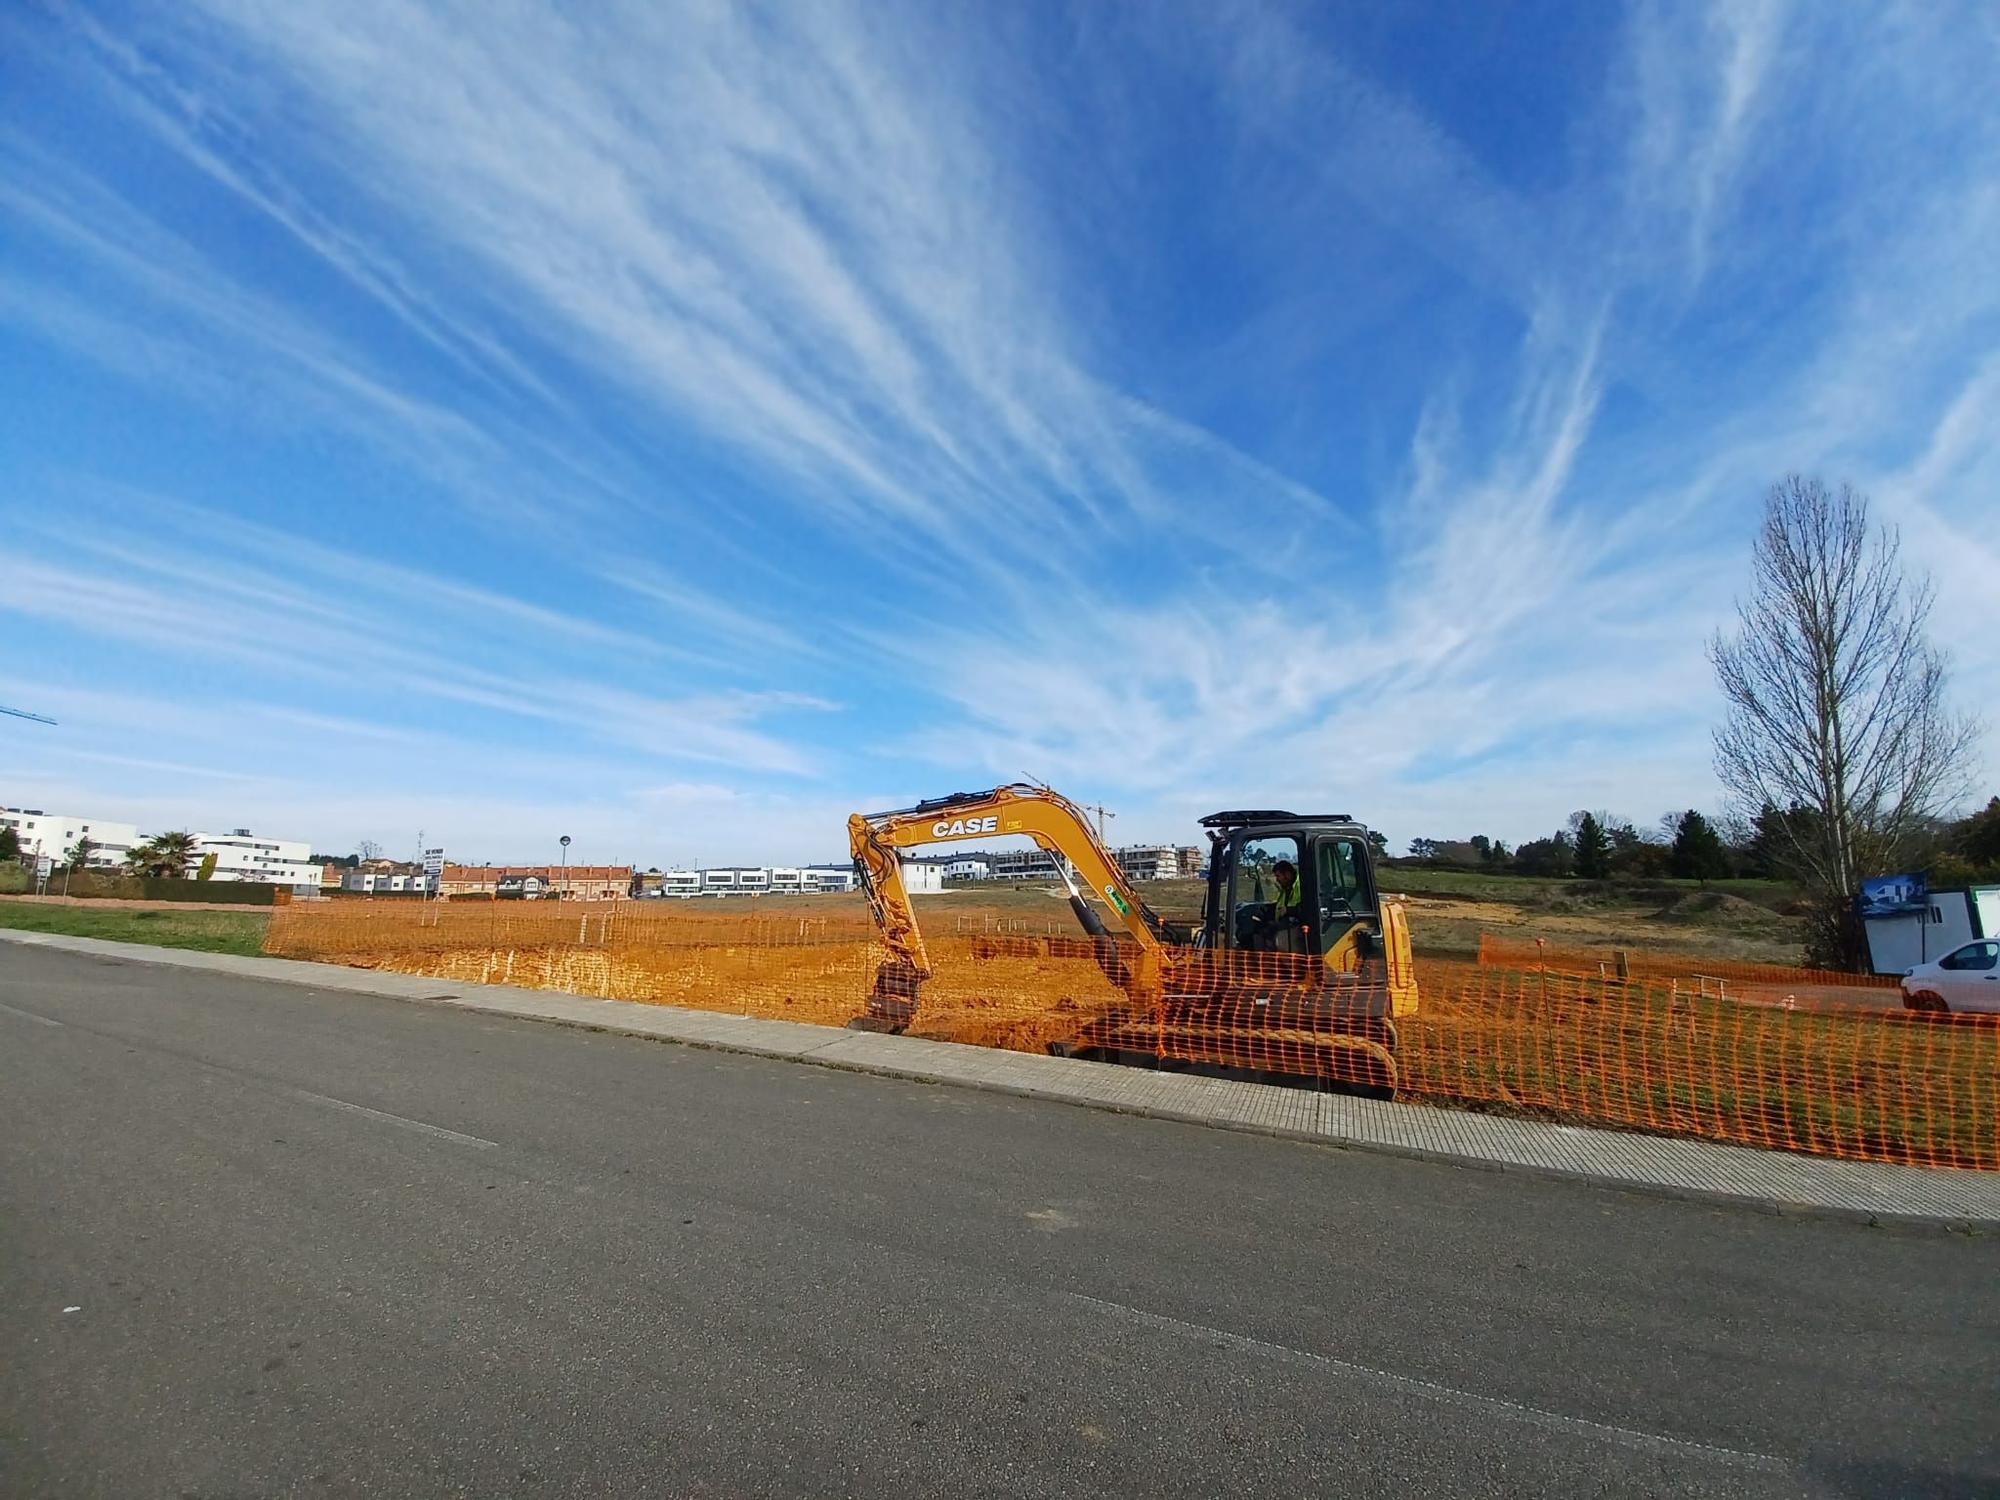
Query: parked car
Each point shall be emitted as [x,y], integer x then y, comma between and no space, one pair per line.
[1965,979]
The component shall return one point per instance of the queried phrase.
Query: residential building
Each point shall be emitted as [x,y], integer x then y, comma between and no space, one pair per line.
[1149,861]
[405,881]
[536,882]
[756,880]
[241,855]
[923,876]
[963,866]
[55,834]
[1160,861]
[1024,864]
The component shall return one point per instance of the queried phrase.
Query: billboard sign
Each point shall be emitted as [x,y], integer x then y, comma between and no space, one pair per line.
[1894,896]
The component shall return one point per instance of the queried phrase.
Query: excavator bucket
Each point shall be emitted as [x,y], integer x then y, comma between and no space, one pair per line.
[892,1003]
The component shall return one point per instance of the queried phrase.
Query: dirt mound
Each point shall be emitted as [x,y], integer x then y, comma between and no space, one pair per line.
[1719,909]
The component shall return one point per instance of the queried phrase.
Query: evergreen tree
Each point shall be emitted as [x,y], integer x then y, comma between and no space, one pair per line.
[1593,848]
[10,844]
[1698,852]
[1554,855]
[1976,839]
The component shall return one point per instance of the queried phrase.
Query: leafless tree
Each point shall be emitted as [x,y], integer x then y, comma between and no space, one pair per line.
[1836,695]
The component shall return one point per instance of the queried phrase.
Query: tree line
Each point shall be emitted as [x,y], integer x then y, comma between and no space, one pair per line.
[1598,845]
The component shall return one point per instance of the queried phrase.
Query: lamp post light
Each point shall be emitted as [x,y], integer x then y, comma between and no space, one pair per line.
[565,866]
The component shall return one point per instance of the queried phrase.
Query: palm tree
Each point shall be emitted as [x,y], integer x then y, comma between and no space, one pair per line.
[164,856]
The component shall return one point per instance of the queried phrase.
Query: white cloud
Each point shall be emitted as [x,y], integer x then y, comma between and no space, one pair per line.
[767,328]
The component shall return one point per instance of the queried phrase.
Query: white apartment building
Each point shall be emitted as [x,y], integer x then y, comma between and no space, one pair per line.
[55,834]
[757,880]
[923,877]
[374,882]
[242,855]
[966,867]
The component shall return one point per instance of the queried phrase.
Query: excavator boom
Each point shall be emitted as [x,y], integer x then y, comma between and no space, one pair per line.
[1021,809]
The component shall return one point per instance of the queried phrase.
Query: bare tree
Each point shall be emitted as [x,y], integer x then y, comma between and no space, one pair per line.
[1836,697]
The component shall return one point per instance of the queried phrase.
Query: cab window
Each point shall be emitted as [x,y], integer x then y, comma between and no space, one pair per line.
[1343,888]
[1976,956]
[1259,901]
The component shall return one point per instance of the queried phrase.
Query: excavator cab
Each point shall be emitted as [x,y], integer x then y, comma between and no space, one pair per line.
[1281,882]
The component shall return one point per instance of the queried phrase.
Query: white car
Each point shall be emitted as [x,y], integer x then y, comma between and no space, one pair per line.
[1965,979]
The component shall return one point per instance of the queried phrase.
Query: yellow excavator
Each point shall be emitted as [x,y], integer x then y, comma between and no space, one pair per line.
[1298,971]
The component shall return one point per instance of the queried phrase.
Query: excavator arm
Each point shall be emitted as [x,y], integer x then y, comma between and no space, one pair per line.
[1055,824]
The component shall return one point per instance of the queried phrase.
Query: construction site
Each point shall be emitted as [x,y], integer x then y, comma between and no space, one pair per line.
[1295,963]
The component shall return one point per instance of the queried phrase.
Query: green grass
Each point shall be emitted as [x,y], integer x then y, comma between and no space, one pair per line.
[209,931]
[1529,890]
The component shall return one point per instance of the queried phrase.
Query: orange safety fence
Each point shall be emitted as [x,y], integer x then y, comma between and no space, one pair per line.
[1716,975]
[1655,1050]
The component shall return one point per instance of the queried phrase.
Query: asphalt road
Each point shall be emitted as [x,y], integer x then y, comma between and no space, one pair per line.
[260,1240]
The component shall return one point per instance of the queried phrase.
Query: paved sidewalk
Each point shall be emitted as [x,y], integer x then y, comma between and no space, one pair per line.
[1664,1166]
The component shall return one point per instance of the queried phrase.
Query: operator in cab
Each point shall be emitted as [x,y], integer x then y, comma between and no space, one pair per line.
[1286,932]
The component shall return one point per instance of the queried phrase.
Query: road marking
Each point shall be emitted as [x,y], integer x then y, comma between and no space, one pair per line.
[385,1116]
[1649,1442]
[28,1015]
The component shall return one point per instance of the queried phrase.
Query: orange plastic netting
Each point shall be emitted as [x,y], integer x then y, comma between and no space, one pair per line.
[1755,1054]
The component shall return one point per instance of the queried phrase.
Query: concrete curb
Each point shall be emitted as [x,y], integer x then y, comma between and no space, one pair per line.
[1657,1166]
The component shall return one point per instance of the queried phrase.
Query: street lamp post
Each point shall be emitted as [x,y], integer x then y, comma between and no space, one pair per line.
[565,866]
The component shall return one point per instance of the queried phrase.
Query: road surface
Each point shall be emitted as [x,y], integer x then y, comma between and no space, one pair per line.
[260,1240]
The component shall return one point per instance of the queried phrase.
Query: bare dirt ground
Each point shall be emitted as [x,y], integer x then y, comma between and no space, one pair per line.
[1451,925]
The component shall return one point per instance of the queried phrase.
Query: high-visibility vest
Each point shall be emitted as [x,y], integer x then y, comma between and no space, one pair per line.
[1287,900]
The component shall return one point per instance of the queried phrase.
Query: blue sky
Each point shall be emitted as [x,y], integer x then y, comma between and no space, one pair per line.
[679,426]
